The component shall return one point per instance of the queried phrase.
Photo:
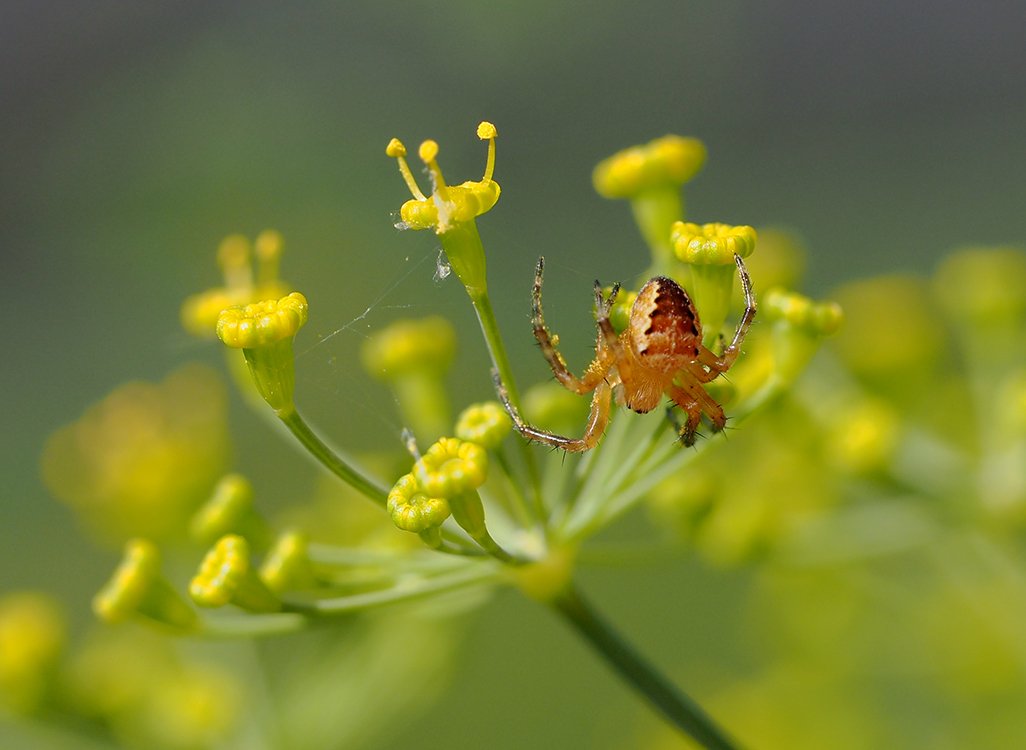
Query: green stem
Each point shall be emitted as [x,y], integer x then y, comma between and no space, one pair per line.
[402,592]
[655,211]
[497,352]
[517,501]
[675,705]
[331,460]
[254,625]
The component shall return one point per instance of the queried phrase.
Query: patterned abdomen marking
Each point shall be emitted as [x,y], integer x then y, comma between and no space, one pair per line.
[664,326]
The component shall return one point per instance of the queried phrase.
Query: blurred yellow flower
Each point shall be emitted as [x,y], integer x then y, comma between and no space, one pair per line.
[32,635]
[140,461]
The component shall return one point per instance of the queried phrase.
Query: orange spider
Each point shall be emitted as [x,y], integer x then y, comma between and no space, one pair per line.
[660,352]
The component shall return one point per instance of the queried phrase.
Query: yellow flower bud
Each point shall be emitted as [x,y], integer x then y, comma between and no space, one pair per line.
[412,356]
[986,286]
[412,509]
[485,424]
[426,345]
[263,323]
[451,467]
[707,253]
[242,286]
[863,436]
[815,318]
[227,577]
[287,566]
[712,244]
[229,510]
[139,588]
[264,331]
[799,325]
[32,636]
[671,160]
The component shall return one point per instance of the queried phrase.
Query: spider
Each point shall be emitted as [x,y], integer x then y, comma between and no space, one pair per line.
[660,352]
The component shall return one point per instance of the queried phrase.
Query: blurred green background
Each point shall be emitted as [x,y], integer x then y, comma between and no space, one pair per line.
[135,136]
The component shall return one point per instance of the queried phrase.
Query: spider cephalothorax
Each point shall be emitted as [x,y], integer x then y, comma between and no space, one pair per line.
[660,352]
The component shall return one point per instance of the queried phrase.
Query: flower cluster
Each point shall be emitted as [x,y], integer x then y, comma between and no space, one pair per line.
[465,504]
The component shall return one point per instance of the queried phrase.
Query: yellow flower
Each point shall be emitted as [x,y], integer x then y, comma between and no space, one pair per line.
[241,286]
[448,204]
[799,325]
[425,346]
[668,161]
[712,243]
[287,566]
[226,576]
[229,510]
[263,323]
[412,509]
[140,461]
[451,467]
[264,331]
[706,267]
[138,588]
[412,356]
[32,636]
[450,210]
[650,177]
[485,424]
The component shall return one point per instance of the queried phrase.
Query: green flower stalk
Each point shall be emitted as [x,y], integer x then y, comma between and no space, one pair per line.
[139,589]
[450,211]
[265,331]
[413,356]
[226,576]
[651,176]
[707,252]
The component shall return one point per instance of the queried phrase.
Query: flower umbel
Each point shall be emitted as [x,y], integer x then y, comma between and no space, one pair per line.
[522,519]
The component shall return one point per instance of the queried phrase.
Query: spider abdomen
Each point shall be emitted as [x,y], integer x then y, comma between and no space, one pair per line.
[664,330]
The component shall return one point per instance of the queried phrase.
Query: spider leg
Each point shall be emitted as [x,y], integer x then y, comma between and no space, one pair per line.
[687,432]
[606,345]
[598,418]
[722,363]
[690,396]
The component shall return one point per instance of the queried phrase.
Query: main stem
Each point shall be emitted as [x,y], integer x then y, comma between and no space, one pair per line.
[674,705]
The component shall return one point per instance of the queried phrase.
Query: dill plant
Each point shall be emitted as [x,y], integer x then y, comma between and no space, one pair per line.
[465,505]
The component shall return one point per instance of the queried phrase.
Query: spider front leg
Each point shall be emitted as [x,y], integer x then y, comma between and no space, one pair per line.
[720,364]
[606,345]
[598,419]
